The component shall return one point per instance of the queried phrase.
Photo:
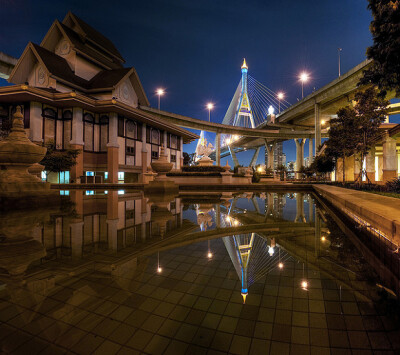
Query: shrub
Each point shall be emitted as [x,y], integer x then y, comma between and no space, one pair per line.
[393,185]
[203,169]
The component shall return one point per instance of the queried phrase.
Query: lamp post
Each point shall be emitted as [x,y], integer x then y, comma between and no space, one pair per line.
[303,79]
[280,96]
[159,92]
[339,50]
[210,106]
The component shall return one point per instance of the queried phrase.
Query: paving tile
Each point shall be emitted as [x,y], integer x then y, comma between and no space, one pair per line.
[259,346]
[176,347]
[222,341]
[228,324]
[203,337]
[240,345]
[279,348]
[107,348]
[186,333]
[122,334]
[140,339]
[300,335]
[157,345]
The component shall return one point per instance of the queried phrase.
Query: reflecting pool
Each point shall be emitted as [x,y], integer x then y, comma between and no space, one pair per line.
[116,272]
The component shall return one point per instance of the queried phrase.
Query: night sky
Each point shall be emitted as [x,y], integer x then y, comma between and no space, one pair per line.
[194,49]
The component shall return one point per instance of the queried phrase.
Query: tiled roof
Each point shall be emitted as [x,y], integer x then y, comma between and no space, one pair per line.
[107,78]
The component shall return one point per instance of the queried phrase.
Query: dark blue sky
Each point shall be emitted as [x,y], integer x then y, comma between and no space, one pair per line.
[194,49]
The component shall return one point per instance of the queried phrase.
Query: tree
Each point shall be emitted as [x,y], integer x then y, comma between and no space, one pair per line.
[342,130]
[57,160]
[323,164]
[291,166]
[371,111]
[385,51]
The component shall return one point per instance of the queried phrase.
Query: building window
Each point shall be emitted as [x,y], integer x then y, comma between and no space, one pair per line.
[121,126]
[88,120]
[173,158]
[49,124]
[154,154]
[155,136]
[131,129]
[90,173]
[121,176]
[172,141]
[130,150]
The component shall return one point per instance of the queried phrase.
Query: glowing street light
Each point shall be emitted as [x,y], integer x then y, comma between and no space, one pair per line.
[280,96]
[210,106]
[280,265]
[271,110]
[304,285]
[160,92]
[303,77]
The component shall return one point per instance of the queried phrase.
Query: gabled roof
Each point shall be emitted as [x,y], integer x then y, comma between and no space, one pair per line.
[93,35]
[79,45]
[108,78]
[57,66]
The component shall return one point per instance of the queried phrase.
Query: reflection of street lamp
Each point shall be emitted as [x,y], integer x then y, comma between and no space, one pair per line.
[210,106]
[303,79]
[159,92]
[304,282]
[158,263]
[280,96]
[209,254]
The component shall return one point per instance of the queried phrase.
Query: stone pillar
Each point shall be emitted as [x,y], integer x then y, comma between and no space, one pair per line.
[77,142]
[112,149]
[36,123]
[299,155]
[389,158]
[317,114]
[310,151]
[370,164]
[218,149]
[218,215]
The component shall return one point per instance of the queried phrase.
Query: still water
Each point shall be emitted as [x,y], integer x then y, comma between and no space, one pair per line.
[116,272]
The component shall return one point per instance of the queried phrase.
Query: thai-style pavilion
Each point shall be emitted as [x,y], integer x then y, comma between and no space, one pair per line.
[75,91]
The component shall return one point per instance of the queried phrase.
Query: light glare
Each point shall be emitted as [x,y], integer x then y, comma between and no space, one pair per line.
[304,77]
[160,92]
[281,95]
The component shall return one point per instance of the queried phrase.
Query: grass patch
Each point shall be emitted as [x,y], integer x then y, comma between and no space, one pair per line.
[388,194]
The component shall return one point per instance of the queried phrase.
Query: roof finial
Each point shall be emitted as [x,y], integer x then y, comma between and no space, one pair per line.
[244,65]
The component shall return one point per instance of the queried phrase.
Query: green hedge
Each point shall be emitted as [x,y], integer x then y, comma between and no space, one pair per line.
[194,173]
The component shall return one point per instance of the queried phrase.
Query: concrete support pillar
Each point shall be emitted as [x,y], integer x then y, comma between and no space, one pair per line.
[270,205]
[112,149]
[317,114]
[218,149]
[77,142]
[310,151]
[299,155]
[370,164]
[233,155]
[255,157]
[36,122]
[270,147]
[181,146]
[389,158]
[300,217]
[310,209]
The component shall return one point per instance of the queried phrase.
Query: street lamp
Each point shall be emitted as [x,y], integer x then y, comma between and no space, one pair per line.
[303,79]
[280,96]
[159,92]
[210,106]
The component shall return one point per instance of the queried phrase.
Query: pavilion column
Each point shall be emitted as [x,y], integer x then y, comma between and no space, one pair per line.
[310,151]
[36,122]
[112,219]
[218,149]
[77,142]
[299,155]
[112,149]
[144,151]
[389,158]
[317,115]
[370,164]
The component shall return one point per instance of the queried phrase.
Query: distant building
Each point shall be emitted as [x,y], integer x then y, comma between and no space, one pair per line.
[75,91]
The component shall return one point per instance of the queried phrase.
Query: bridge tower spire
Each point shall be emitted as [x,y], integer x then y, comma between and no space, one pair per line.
[244,115]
